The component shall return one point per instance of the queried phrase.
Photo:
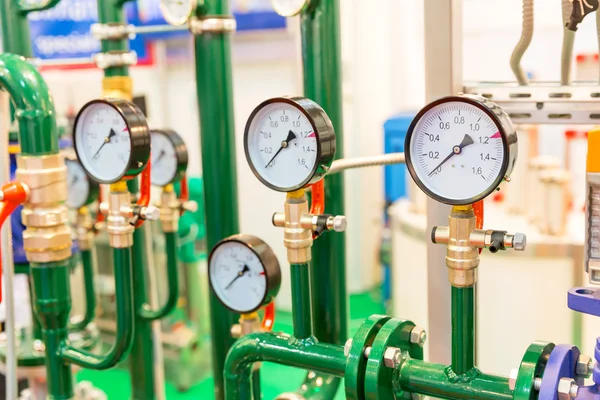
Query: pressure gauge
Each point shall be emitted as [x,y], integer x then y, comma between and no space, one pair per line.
[289,143]
[169,157]
[81,190]
[177,12]
[244,273]
[459,148]
[289,8]
[112,140]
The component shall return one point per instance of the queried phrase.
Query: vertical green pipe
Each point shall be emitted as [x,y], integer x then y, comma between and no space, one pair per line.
[15,29]
[112,12]
[322,83]
[256,389]
[463,329]
[52,305]
[301,300]
[90,297]
[36,326]
[215,104]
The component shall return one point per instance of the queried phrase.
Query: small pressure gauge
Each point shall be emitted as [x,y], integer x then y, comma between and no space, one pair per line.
[111,139]
[289,8]
[169,157]
[81,191]
[459,148]
[177,12]
[289,143]
[244,273]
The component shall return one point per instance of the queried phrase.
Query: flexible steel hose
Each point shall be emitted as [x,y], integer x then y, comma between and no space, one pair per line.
[362,162]
[567,46]
[523,44]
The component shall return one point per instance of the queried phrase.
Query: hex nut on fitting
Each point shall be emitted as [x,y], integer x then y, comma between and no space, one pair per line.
[150,213]
[339,223]
[418,336]
[391,357]
[584,366]
[567,389]
[236,331]
[347,347]
[512,378]
[519,242]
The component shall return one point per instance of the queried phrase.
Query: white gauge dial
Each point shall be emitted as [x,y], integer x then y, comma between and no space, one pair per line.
[289,8]
[78,185]
[457,152]
[102,142]
[238,276]
[164,159]
[177,12]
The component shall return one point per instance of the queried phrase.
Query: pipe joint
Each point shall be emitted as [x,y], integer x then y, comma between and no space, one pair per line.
[85,229]
[213,24]
[169,207]
[112,31]
[115,59]
[120,231]
[296,238]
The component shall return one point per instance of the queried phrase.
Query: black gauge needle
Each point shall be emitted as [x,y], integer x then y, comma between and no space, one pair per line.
[291,136]
[467,140]
[106,140]
[160,156]
[238,276]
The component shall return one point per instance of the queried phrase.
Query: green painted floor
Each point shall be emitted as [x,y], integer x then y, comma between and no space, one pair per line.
[275,378]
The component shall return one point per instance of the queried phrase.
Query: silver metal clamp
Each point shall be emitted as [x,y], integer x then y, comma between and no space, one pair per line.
[209,24]
[112,31]
[115,59]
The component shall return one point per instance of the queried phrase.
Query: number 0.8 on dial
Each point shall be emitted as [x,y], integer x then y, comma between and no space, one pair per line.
[460,148]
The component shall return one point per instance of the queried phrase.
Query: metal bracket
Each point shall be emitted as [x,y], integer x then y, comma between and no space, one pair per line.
[212,24]
[112,31]
[116,59]
[545,103]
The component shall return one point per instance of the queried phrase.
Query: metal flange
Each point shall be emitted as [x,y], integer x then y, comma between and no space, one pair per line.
[357,362]
[394,337]
[561,364]
[532,366]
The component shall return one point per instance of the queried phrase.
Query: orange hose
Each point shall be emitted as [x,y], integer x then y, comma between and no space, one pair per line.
[317,206]
[99,216]
[268,318]
[15,194]
[478,210]
[184,194]
[145,185]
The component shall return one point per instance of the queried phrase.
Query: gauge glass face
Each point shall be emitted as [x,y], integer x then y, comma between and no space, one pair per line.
[177,12]
[78,185]
[282,146]
[457,151]
[289,8]
[164,159]
[238,276]
[103,142]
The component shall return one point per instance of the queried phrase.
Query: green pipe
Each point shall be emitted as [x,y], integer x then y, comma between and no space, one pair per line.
[34,107]
[439,381]
[256,389]
[463,329]
[278,348]
[90,297]
[301,301]
[321,55]
[112,12]
[52,305]
[215,104]
[125,317]
[36,326]
[172,281]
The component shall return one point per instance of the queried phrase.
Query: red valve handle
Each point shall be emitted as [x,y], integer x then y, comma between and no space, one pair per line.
[478,210]
[268,318]
[145,185]
[15,194]
[184,194]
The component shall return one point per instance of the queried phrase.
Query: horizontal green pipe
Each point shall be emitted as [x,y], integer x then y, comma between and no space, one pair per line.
[34,107]
[90,297]
[172,281]
[281,349]
[26,8]
[301,300]
[439,381]
[125,318]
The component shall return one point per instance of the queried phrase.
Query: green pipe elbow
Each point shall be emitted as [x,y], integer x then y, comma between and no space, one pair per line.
[172,280]
[26,8]
[34,107]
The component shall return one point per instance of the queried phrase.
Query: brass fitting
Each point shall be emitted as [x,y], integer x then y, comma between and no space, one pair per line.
[248,323]
[117,87]
[120,231]
[48,235]
[297,239]
[169,209]
[85,229]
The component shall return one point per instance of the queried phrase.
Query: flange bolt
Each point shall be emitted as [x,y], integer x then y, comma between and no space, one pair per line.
[584,366]
[391,357]
[418,335]
[567,389]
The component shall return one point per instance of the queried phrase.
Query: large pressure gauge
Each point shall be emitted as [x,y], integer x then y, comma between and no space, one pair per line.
[289,8]
[289,143]
[459,149]
[244,273]
[177,12]
[169,157]
[81,190]
[112,140]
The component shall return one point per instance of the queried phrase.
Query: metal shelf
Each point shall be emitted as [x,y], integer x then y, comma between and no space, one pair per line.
[543,103]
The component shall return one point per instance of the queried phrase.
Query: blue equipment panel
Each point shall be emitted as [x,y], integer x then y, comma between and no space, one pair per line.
[395,175]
